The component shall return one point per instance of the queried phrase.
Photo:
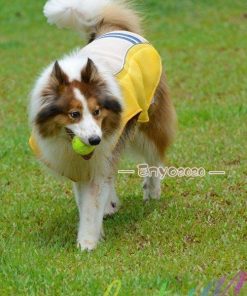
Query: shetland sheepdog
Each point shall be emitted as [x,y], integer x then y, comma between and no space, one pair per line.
[111,94]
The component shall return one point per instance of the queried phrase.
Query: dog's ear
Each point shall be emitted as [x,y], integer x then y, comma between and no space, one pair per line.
[112,104]
[57,80]
[58,75]
[89,73]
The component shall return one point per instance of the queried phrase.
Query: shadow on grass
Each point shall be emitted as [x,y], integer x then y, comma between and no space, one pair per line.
[60,229]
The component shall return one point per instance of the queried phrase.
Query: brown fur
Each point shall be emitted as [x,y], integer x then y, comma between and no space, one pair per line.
[62,102]
[162,125]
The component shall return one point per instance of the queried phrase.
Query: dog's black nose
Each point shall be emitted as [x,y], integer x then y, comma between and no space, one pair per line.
[94,140]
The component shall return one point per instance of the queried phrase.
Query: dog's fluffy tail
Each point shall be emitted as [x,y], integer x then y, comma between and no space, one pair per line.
[93,16]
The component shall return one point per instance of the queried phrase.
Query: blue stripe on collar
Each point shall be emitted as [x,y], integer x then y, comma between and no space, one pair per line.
[119,37]
[124,35]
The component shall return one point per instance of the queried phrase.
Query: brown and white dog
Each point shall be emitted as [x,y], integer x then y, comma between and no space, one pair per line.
[77,95]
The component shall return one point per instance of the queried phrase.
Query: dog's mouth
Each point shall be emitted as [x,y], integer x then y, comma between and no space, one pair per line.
[71,136]
[87,157]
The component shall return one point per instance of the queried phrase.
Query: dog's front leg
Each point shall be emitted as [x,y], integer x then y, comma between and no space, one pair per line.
[91,200]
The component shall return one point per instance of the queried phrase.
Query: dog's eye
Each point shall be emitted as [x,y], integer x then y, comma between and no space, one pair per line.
[75,114]
[96,112]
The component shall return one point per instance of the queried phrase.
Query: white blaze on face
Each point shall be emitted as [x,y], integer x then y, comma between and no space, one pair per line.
[87,127]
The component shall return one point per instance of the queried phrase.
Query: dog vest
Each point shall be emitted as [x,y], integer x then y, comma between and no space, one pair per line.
[136,66]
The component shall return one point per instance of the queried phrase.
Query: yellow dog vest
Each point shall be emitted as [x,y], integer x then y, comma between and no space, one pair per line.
[137,67]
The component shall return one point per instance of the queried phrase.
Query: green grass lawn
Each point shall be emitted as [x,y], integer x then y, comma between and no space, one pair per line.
[197,232]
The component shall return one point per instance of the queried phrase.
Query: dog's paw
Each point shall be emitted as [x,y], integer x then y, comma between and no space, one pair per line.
[85,244]
[155,193]
[152,194]
[89,243]
[151,190]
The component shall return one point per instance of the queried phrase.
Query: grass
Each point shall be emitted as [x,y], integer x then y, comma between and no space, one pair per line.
[197,232]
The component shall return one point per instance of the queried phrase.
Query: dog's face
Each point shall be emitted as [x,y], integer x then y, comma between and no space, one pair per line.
[84,108]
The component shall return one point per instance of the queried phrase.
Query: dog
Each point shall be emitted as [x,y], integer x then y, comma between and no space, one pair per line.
[112,94]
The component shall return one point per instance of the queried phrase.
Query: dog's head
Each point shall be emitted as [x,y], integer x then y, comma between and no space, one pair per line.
[85,108]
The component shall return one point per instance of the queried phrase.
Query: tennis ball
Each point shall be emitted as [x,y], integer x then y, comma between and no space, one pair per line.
[80,147]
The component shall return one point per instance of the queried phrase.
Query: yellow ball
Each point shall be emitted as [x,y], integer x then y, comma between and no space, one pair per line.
[80,147]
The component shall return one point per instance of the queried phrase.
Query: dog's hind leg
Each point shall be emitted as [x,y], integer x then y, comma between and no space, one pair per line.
[148,151]
[154,137]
